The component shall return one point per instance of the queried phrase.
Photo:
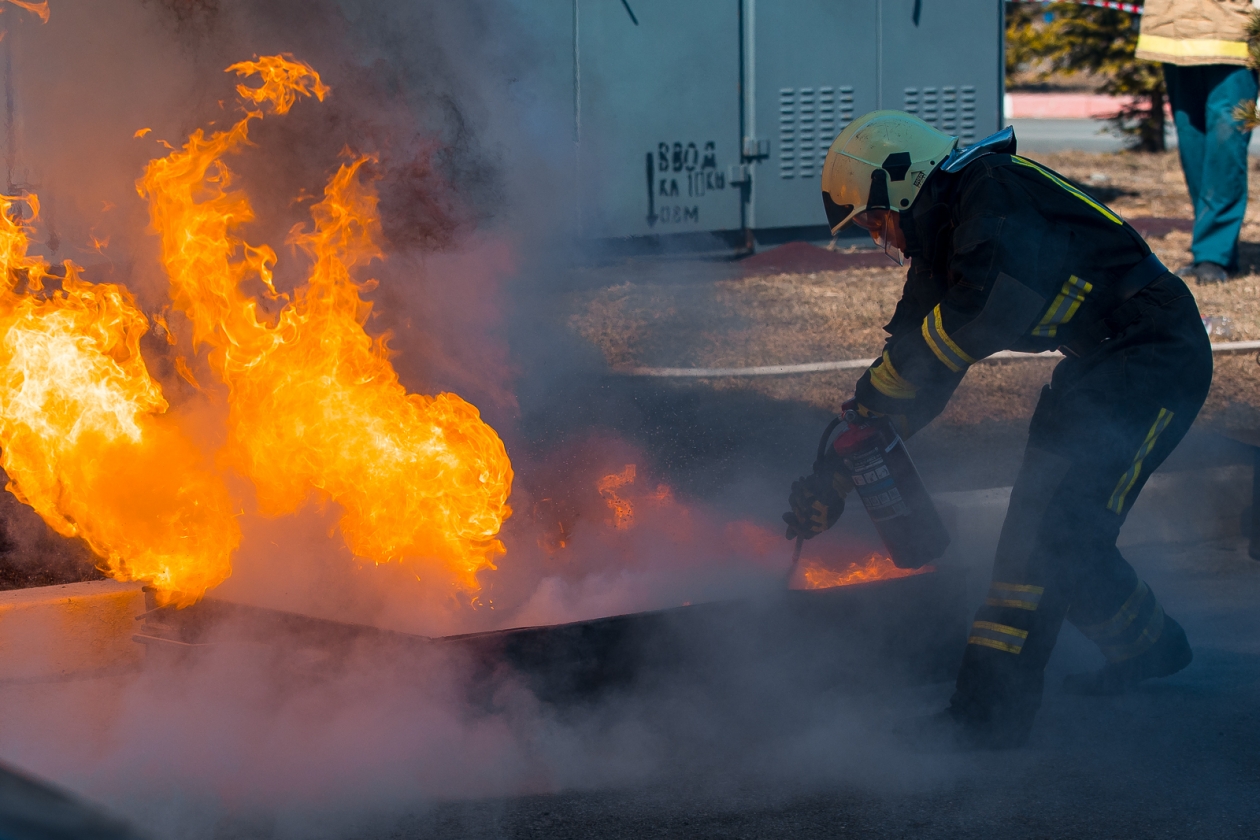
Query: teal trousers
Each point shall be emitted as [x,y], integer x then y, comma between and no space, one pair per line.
[1213,152]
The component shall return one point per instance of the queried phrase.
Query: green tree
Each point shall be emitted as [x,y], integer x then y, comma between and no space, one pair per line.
[1065,39]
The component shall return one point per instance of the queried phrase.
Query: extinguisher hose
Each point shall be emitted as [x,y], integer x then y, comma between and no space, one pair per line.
[822,442]
[822,451]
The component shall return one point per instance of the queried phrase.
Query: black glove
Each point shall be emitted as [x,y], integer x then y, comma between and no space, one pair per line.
[817,500]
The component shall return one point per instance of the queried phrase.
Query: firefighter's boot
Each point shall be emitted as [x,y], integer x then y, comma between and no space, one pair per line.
[1170,653]
[1004,726]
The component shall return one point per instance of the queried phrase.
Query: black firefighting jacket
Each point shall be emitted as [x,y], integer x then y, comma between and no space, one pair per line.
[1006,254]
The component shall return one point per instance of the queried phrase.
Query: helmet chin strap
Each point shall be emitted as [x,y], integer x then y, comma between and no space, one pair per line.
[877,199]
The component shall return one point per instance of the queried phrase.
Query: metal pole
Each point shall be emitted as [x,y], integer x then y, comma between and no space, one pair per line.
[879,54]
[577,120]
[748,108]
[1001,108]
[10,117]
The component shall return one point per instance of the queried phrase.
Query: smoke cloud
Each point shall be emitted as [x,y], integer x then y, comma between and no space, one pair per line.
[475,177]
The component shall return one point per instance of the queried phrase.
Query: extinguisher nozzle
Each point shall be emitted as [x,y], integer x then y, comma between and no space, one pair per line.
[796,558]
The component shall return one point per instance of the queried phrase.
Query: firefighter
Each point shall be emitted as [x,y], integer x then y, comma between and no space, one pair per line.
[1007,254]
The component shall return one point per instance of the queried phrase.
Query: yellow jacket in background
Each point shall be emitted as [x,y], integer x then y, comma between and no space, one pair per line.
[1189,32]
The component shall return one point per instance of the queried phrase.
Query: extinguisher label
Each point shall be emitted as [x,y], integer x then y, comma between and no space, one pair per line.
[886,504]
[867,460]
[871,477]
[876,485]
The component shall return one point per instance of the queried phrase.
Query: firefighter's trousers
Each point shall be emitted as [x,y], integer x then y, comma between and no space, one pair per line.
[1104,424]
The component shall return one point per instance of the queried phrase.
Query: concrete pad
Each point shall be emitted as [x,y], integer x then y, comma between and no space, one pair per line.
[77,629]
[1174,507]
[1190,506]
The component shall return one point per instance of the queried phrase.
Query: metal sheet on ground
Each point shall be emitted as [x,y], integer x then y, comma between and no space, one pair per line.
[894,632]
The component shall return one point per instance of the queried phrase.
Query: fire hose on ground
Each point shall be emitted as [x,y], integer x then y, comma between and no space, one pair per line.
[863,364]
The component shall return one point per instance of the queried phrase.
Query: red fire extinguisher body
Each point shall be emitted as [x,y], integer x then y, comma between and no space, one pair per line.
[891,490]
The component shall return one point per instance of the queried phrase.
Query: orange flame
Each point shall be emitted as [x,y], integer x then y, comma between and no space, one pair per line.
[314,404]
[622,509]
[875,567]
[40,8]
[83,434]
[283,80]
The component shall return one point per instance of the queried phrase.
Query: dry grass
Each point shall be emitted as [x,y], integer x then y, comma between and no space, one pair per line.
[796,318]
[1132,184]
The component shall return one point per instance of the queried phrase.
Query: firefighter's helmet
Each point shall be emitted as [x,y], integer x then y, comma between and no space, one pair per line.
[880,161]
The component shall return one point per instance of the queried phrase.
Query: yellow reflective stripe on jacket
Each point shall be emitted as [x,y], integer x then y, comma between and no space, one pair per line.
[1064,307]
[889,383]
[950,354]
[1065,185]
[997,636]
[1014,595]
[1192,47]
[1130,477]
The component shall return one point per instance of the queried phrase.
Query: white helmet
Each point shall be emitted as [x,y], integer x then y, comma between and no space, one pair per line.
[880,161]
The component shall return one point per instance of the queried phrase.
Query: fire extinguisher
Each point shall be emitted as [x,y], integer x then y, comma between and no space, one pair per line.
[889,485]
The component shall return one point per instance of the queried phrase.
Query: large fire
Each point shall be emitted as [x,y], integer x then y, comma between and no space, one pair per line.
[314,404]
[84,434]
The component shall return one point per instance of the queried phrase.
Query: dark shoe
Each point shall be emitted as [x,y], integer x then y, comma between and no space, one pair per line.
[1210,272]
[1166,657]
[1187,272]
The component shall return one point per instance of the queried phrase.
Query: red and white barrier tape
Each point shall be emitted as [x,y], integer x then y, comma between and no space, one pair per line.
[1131,8]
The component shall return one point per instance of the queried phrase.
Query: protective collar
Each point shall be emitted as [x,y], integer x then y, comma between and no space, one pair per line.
[999,143]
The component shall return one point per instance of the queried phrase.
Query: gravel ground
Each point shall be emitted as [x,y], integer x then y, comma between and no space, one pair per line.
[733,321]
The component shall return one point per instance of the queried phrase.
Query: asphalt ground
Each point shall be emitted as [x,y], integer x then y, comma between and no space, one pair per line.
[1179,757]
[1039,135]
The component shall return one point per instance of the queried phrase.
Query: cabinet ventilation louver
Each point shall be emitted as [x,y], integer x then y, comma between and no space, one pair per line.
[809,119]
[951,109]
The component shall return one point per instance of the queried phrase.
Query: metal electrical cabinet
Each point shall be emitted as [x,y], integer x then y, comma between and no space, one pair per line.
[943,62]
[810,67]
[715,116]
[658,116]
